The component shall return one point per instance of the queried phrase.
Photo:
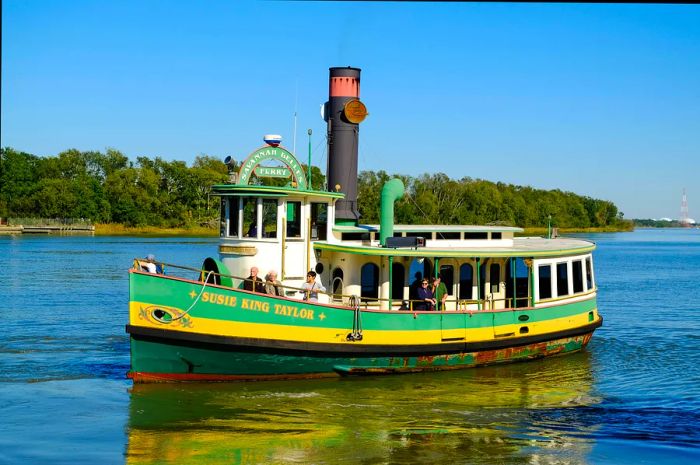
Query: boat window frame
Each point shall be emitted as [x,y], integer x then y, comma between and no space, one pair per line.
[287,236]
[580,279]
[563,289]
[538,280]
[589,278]
[321,232]
[375,290]
[472,267]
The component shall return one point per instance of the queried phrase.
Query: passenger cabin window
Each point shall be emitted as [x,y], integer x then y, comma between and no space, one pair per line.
[562,279]
[447,273]
[544,273]
[496,235]
[447,236]
[466,280]
[233,216]
[293,219]
[319,221]
[250,217]
[589,274]
[269,207]
[355,236]
[495,277]
[369,281]
[222,224]
[398,280]
[577,275]
[476,235]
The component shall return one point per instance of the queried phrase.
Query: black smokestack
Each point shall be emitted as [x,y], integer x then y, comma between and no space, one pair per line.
[343,130]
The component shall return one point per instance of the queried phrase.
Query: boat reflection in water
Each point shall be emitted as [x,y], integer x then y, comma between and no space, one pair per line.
[543,411]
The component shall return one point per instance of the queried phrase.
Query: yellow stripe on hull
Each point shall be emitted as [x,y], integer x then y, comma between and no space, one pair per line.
[296,333]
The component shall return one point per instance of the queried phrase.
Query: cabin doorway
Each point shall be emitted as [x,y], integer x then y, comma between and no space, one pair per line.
[494,285]
[453,324]
[495,298]
[517,283]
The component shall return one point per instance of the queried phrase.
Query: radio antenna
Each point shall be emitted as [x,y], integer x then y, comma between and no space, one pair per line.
[296,103]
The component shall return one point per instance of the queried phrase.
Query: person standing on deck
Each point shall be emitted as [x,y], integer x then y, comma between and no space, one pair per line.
[253,283]
[440,292]
[425,299]
[310,288]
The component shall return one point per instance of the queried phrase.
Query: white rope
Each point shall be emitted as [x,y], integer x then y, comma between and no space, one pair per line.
[206,280]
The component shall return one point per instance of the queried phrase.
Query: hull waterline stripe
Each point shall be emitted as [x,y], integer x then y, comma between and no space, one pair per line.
[232,343]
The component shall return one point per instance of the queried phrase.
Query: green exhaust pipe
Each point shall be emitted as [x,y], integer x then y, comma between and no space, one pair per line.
[391,192]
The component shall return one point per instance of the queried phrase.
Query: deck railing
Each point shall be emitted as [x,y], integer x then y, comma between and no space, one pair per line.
[368,303]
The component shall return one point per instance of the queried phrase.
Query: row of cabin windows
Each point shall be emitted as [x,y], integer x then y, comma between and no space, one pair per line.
[555,280]
[365,236]
[255,217]
[516,279]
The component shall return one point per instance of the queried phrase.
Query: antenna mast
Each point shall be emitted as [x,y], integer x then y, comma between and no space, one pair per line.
[296,104]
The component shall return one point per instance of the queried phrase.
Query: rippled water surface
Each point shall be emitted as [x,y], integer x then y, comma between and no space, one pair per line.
[632,397]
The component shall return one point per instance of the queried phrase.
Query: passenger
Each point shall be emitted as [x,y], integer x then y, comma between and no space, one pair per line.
[149,264]
[253,283]
[439,291]
[310,288]
[425,300]
[252,230]
[272,286]
[415,285]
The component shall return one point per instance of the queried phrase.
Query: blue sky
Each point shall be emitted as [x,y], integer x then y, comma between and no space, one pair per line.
[601,100]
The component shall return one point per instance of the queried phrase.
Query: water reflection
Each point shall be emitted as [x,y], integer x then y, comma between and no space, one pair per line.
[511,414]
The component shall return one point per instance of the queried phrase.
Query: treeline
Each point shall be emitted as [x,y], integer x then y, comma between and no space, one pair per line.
[109,188]
[650,223]
[437,199]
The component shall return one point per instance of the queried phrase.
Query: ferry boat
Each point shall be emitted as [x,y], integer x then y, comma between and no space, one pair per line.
[508,298]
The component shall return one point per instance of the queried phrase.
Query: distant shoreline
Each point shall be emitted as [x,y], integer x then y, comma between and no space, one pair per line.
[113,229]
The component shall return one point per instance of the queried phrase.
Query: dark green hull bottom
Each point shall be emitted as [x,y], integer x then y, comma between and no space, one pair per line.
[155,360]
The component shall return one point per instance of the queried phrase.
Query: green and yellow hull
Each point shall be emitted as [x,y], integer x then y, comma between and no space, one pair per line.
[183,330]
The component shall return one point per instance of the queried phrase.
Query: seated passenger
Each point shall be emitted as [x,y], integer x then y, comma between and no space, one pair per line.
[253,283]
[148,264]
[272,286]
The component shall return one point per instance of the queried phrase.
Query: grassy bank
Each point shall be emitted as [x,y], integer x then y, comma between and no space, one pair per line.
[115,229]
[543,231]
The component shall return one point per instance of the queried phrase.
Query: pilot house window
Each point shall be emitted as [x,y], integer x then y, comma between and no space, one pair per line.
[269,217]
[250,217]
[293,219]
[319,221]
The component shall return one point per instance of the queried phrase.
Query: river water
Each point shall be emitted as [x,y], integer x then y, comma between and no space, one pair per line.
[633,397]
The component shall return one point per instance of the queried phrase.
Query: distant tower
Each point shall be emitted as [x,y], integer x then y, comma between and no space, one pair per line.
[685,219]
